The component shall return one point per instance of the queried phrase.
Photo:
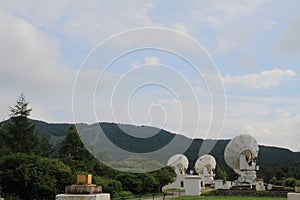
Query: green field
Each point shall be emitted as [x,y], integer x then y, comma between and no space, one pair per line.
[228,198]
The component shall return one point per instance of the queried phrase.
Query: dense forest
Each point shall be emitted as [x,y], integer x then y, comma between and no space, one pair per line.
[38,159]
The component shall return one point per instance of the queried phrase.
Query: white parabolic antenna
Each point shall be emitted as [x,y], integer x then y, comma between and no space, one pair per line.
[240,145]
[179,162]
[205,161]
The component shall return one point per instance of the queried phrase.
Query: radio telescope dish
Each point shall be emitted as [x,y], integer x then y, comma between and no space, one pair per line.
[205,162]
[179,162]
[241,152]
[204,166]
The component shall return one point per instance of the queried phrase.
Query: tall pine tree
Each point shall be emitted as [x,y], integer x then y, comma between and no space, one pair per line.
[72,147]
[20,135]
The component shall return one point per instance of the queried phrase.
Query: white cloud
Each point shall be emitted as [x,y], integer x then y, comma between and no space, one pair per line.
[151,60]
[30,63]
[91,21]
[28,56]
[263,80]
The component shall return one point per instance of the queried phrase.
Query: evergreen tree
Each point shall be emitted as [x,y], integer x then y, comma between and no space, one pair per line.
[221,173]
[20,135]
[45,147]
[3,146]
[72,147]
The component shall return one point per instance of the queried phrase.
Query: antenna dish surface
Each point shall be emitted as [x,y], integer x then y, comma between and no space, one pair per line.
[207,161]
[240,145]
[179,162]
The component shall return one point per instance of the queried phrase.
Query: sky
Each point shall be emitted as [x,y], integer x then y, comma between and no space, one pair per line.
[88,61]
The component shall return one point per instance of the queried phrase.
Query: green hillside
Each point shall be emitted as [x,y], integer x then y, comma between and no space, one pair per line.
[269,157]
[56,130]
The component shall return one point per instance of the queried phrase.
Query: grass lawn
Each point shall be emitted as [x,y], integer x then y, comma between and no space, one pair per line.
[228,198]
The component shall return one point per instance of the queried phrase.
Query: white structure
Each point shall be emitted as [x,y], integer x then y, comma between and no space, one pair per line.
[180,164]
[192,185]
[240,154]
[227,185]
[269,186]
[293,196]
[102,196]
[260,186]
[222,185]
[219,184]
[204,166]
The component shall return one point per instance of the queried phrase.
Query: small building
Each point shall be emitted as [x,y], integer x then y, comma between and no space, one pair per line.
[192,185]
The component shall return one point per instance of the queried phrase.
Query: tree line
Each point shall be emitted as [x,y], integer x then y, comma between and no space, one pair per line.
[29,169]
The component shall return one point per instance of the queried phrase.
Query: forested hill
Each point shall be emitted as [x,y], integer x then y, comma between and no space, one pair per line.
[272,160]
[268,156]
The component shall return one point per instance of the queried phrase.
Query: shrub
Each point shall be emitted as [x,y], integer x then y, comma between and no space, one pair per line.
[290,182]
[32,176]
[111,186]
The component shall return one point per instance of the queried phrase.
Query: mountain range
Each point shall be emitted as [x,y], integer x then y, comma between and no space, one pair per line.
[131,138]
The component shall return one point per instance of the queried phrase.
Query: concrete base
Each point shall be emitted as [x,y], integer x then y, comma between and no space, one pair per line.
[269,186]
[247,176]
[83,189]
[206,180]
[293,196]
[103,196]
[259,187]
[219,184]
[192,185]
[227,185]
